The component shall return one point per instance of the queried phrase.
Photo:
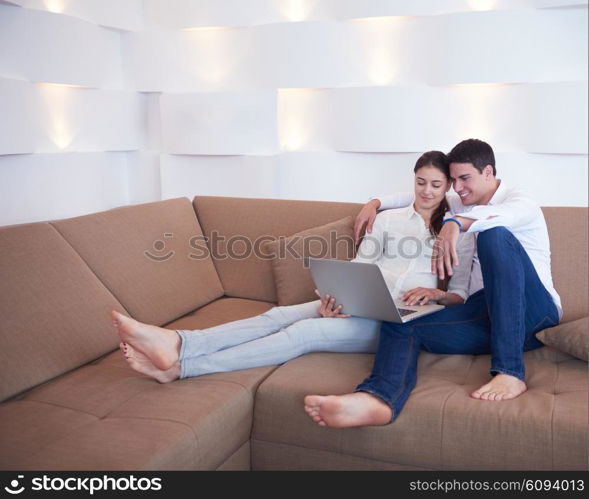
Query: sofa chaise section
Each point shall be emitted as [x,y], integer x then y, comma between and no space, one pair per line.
[71,401]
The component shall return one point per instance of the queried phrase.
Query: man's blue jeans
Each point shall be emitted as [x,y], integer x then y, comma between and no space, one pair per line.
[500,319]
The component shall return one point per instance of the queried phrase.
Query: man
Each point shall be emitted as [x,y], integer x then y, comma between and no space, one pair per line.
[511,296]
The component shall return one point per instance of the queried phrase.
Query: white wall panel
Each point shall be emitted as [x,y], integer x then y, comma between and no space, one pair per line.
[550,179]
[556,117]
[347,9]
[533,117]
[154,122]
[530,46]
[176,14]
[507,46]
[270,56]
[221,59]
[305,54]
[143,56]
[332,176]
[179,14]
[304,119]
[55,118]
[144,176]
[48,47]
[343,9]
[387,51]
[18,130]
[36,187]
[393,119]
[219,123]
[241,176]
[126,14]
[187,61]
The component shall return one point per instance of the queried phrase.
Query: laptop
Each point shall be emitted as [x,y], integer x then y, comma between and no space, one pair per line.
[362,291]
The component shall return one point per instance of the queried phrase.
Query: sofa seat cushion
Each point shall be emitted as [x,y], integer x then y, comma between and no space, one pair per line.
[441,426]
[42,436]
[106,416]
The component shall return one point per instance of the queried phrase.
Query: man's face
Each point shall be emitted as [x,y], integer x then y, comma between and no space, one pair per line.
[472,186]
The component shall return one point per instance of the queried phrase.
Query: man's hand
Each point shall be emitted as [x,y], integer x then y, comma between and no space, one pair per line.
[420,296]
[328,308]
[365,218]
[444,255]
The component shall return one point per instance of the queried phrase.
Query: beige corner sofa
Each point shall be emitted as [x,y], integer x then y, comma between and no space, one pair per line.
[71,402]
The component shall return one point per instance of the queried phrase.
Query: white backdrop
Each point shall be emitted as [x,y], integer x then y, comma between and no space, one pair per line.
[110,102]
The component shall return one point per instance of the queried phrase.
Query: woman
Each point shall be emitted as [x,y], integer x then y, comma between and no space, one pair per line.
[400,244]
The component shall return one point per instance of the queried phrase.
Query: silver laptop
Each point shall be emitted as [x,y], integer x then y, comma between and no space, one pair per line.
[362,291]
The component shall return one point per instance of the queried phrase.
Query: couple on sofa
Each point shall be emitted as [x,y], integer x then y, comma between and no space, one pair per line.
[490,240]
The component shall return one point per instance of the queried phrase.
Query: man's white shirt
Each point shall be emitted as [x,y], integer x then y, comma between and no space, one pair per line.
[509,208]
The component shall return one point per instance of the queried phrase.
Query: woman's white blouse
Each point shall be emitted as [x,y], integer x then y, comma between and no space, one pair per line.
[401,245]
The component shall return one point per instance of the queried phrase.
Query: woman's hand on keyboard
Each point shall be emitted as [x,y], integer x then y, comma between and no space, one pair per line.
[421,296]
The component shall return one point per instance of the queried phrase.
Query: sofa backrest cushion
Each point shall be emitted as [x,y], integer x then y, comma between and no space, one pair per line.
[236,220]
[143,255]
[54,312]
[237,229]
[567,229]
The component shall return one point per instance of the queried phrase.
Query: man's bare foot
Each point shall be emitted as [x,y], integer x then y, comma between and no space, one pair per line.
[143,365]
[161,346]
[501,387]
[344,411]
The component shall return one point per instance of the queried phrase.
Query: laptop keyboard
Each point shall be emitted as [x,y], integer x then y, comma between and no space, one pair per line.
[404,311]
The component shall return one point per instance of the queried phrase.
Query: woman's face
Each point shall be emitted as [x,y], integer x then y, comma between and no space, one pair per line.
[431,185]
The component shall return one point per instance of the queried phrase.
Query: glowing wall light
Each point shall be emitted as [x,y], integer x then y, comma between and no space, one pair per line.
[295,10]
[61,85]
[57,101]
[212,52]
[57,6]
[482,4]
[293,129]
[476,112]
[379,47]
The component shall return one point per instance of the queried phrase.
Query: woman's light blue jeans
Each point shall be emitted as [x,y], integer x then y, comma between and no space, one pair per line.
[274,337]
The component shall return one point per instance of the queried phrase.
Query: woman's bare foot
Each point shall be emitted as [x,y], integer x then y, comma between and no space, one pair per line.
[143,365]
[161,346]
[343,411]
[501,387]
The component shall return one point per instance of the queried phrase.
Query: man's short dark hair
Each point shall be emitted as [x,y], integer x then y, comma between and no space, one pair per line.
[474,151]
